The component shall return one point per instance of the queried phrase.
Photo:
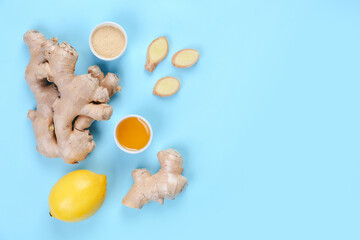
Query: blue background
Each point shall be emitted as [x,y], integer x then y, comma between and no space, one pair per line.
[267,120]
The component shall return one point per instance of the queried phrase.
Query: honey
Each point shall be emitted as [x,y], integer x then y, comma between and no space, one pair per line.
[133,133]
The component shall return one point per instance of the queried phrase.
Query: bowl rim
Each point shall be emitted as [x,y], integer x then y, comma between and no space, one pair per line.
[113,24]
[126,150]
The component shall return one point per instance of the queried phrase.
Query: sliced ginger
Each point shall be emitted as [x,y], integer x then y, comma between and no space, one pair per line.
[166,86]
[157,51]
[185,58]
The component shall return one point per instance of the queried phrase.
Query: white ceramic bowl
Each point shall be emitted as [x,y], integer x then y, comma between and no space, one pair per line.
[112,24]
[129,151]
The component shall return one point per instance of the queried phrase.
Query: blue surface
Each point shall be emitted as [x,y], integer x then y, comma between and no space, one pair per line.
[267,120]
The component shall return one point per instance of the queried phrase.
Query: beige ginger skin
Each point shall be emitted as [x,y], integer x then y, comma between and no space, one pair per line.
[66,104]
[165,184]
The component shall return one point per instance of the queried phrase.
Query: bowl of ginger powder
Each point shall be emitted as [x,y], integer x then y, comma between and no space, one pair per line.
[108,41]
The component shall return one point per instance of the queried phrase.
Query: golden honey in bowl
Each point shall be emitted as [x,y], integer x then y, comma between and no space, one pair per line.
[133,133]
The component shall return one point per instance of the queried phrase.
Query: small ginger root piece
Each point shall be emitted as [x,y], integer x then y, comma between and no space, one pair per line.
[157,51]
[167,183]
[185,58]
[66,104]
[166,86]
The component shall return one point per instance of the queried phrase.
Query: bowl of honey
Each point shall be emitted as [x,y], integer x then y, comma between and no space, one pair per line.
[133,134]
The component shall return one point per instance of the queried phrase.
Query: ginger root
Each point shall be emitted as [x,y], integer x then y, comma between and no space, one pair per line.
[185,58]
[66,104]
[166,86]
[167,183]
[157,51]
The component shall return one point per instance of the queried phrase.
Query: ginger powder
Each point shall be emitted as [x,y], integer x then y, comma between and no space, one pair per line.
[108,41]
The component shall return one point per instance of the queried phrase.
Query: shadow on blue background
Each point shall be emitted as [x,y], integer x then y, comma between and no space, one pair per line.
[267,120]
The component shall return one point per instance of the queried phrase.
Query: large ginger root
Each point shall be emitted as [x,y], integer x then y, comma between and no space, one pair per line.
[66,104]
[166,86]
[185,58]
[157,51]
[167,183]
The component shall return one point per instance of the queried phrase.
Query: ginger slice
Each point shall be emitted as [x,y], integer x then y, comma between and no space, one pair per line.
[185,58]
[166,86]
[167,183]
[157,51]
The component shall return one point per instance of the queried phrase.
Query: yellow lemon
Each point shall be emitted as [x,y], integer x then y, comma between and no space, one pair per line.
[77,195]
